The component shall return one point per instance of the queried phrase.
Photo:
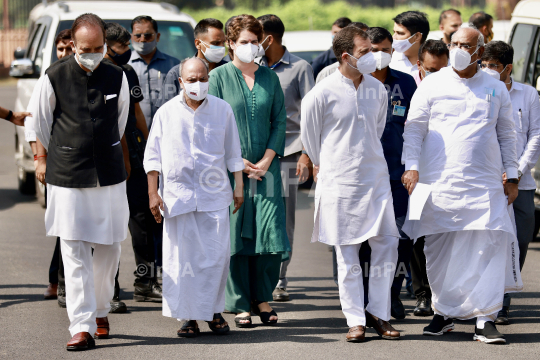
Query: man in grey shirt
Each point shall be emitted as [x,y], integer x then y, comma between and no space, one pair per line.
[150,64]
[296,78]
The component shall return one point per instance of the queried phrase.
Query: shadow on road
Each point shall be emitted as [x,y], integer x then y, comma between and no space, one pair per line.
[11,197]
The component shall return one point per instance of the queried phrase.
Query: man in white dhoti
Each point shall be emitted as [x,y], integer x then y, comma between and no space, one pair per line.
[80,108]
[343,119]
[497,62]
[460,138]
[192,143]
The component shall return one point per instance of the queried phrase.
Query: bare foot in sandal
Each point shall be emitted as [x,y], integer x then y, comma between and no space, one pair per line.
[243,315]
[265,307]
[189,329]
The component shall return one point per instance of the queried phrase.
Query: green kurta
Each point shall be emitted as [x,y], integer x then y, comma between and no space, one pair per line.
[259,225]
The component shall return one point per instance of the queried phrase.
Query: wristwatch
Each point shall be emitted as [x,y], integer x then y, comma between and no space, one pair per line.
[513,181]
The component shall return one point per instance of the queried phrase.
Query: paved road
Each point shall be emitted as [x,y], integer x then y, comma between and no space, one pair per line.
[311,325]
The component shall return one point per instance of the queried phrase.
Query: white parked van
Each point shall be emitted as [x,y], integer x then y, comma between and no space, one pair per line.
[48,19]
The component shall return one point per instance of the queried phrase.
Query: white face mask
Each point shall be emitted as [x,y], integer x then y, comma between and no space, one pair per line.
[246,53]
[494,73]
[262,51]
[461,59]
[366,64]
[402,45]
[91,60]
[196,91]
[382,59]
[213,53]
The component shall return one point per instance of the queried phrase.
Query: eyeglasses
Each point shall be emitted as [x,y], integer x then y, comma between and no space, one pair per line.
[146,36]
[462,47]
[490,66]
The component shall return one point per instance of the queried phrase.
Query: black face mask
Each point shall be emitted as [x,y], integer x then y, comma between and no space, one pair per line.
[121,59]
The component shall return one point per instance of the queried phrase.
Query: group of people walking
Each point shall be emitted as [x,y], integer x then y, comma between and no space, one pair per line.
[212,168]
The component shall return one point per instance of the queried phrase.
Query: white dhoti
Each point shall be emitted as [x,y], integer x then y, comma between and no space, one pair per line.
[384,256]
[469,271]
[89,282]
[196,255]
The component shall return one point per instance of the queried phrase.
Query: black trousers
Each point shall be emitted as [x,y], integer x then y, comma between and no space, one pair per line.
[146,233]
[420,281]
[56,269]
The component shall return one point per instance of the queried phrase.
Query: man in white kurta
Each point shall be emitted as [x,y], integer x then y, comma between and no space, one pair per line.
[343,119]
[497,61]
[193,142]
[83,213]
[460,138]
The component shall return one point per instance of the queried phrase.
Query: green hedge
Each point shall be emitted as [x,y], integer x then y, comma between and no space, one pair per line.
[316,15]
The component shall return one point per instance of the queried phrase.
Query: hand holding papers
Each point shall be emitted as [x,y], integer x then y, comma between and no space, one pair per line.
[417,200]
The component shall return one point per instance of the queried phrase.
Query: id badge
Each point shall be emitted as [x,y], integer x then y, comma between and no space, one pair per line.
[399,110]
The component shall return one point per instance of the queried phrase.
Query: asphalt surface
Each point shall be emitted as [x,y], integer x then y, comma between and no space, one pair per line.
[310,326]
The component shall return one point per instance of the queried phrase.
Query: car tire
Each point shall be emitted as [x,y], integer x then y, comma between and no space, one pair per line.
[41,194]
[27,182]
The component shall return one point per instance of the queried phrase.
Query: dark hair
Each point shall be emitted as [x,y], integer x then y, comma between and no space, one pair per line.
[445,13]
[272,25]
[480,19]
[499,50]
[64,35]
[415,22]
[116,33]
[342,22]
[378,34]
[360,25]
[142,18]
[434,47]
[203,25]
[87,19]
[344,40]
[241,23]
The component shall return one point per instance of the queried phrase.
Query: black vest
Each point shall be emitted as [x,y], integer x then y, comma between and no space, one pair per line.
[85,141]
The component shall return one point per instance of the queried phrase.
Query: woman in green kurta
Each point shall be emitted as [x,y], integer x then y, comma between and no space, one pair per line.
[258,237]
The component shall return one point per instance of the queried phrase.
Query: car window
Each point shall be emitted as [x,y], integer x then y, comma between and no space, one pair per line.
[176,37]
[521,41]
[533,68]
[34,42]
[307,55]
[38,59]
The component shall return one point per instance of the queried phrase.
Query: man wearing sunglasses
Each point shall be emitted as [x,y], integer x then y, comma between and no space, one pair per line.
[150,64]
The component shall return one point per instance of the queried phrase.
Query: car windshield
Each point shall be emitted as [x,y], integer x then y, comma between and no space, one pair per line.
[176,37]
[307,55]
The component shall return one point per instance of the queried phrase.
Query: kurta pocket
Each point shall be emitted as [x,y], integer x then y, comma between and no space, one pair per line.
[214,140]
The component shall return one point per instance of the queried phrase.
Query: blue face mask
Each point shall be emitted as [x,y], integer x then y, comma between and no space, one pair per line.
[426,72]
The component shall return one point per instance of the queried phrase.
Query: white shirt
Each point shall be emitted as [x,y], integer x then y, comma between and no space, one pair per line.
[192,151]
[526,112]
[401,63]
[327,71]
[461,140]
[341,128]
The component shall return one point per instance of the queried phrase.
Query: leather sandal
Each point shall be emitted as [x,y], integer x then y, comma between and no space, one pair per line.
[264,315]
[220,321]
[243,325]
[189,329]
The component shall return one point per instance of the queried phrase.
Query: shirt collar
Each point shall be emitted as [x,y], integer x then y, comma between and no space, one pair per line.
[158,55]
[286,59]
[183,101]
[515,85]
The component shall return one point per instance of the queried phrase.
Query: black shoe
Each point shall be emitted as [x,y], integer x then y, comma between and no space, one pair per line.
[117,306]
[502,317]
[280,294]
[423,307]
[62,296]
[439,326]
[397,310]
[489,334]
[147,292]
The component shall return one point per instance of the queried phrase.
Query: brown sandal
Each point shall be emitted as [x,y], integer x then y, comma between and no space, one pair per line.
[189,329]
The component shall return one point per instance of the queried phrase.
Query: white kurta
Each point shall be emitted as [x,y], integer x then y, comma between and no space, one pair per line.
[460,137]
[192,151]
[526,113]
[341,131]
[99,215]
